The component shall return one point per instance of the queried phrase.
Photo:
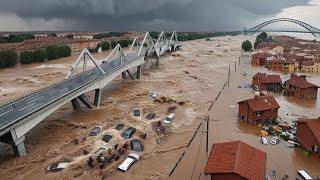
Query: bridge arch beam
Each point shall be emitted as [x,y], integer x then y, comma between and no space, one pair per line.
[311,29]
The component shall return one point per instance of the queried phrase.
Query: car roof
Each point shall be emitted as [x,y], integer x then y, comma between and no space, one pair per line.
[171,115]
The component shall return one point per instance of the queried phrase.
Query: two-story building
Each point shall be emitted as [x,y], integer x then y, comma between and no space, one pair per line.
[263,82]
[258,109]
[298,86]
[308,135]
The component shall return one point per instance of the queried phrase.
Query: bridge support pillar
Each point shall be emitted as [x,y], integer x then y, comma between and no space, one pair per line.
[97,97]
[18,144]
[75,104]
[124,75]
[138,75]
[85,101]
[157,61]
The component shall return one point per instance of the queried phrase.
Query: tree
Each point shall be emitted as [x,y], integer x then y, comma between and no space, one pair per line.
[8,58]
[246,45]
[262,37]
[26,57]
[39,55]
[70,36]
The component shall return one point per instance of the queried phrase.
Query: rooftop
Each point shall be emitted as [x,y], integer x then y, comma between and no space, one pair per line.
[237,157]
[265,79]
[314,125]
[299,81]
[262,103]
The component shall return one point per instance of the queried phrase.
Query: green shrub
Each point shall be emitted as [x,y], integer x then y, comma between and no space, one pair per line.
[8,58]
[26,57]
[114,44]
[39,55]
[57,51]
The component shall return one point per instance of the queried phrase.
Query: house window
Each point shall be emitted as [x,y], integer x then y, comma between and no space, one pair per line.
[243,117]
[258,113]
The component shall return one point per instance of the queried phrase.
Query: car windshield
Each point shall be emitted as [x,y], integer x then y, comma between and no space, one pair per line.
[136,146]
[168,119]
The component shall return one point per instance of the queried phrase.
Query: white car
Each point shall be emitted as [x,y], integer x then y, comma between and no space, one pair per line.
[169,118]
[264,140]
[275,140]
[58,166]
[128,162]
[303,175]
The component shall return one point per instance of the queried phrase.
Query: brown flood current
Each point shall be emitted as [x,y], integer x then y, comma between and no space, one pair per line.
[195,75]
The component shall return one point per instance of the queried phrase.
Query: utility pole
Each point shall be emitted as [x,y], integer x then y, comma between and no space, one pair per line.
[229,77]
[235,66]
[239,60]
[207,142]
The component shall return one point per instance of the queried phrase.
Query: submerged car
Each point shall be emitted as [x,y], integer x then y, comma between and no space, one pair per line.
[151,115]
[119,127]
[95,131]
[57,166]
[169,118]
[106,138]
[136,112]
[274,140]
[136,145]
[264,140]
[128,132]
[128,162]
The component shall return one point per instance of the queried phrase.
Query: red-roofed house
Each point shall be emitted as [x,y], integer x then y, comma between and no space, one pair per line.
[308,135]
[259,59]
[258,109]
[262,82]
[236,160]
[298,86]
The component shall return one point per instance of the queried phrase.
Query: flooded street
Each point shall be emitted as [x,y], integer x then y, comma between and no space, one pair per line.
[192,77]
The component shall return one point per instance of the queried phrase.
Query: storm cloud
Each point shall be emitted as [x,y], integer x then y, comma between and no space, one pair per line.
[129,15]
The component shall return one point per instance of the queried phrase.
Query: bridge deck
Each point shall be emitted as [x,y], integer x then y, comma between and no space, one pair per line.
[23,107]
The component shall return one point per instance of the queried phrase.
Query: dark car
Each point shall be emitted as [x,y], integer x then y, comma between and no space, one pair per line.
[151,115]
[95,131]
[106,138]
[136,145]
[136,112]
[128,132]
[119,127]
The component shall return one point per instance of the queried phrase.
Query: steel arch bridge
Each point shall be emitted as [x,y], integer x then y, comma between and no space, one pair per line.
[306,28]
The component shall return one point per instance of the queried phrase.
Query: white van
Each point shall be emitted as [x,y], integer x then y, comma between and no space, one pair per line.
[303,175]
[128,162]
[169,118]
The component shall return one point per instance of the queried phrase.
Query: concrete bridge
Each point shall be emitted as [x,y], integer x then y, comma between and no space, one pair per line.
[21,115]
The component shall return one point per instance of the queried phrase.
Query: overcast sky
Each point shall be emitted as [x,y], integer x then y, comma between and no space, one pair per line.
[146,15]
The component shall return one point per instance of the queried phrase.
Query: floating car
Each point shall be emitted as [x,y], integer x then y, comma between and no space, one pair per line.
[106,138]
[303,175]
[151,115]
[128,132]
[136,145]
[119,127]
[264,140]
[136,112]
[128,162]
[57,166]
[169,118]
[274,140]
[95,131]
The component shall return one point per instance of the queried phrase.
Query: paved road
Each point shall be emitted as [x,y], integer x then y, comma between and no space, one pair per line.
[23,107]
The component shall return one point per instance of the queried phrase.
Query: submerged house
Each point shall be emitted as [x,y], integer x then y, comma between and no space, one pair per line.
[298,86]
[262,82]
[258,109]
[308,135]
[236,160]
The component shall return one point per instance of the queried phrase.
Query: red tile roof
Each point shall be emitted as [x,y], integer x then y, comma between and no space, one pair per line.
[265,79]
[262,103]
[300,81]
[314,125]
[237,157]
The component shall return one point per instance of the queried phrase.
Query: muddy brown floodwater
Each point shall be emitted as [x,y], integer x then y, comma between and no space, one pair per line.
[192,77]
